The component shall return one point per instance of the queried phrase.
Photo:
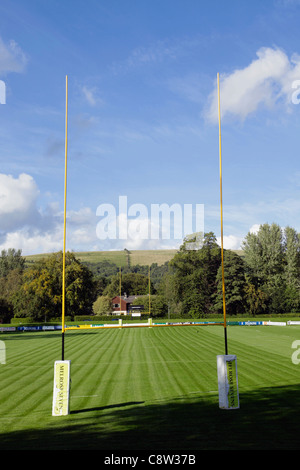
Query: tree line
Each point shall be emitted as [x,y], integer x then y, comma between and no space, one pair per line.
[264,279]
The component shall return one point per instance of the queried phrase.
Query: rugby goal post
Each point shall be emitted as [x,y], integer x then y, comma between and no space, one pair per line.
[226,364]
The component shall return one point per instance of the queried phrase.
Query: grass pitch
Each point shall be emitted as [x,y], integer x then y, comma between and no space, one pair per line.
[151,389]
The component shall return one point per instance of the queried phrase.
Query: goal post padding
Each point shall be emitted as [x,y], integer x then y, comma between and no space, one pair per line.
[61,388]
[228,382]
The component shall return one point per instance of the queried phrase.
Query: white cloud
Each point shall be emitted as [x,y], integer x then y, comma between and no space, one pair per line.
[34,242]
[230,242]
[263,82]
[26,226]
[90,95]
[23,225]
[12,58]
[254,228]
[17,200]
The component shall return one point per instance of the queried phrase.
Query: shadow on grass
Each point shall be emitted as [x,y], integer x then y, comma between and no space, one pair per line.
[101,408]
[267,419]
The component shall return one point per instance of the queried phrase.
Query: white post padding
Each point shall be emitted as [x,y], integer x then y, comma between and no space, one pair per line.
[2,353]
[61,388]
[228,382]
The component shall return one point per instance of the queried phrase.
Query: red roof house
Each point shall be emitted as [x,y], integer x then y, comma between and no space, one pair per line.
[126,302]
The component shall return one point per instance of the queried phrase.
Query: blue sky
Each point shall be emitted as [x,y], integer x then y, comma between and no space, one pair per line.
[142,116]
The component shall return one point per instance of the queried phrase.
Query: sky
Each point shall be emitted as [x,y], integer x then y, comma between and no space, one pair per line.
[142,121]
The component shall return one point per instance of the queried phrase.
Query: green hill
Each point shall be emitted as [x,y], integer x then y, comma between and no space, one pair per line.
[120,258]
[239,252]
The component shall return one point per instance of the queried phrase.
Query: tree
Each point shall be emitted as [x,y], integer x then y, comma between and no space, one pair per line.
[40,295]
[264,257]
[292,269]
[194,276]
[159,306]
[11,269]
[166,290]
[234,278]
[130,283]
[255,298]
[6,311]
[155,305]
[102,305]
[263,252]
[11,259]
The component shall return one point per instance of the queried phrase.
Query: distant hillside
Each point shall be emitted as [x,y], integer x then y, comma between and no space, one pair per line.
[239,252]
[120,258]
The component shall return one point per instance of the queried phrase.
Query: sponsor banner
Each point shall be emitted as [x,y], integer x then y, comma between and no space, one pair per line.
[61,388]
[150,322]
[39,328]
[231,371]
[143,324]
[228,382]
[51,327]
[266,323]
[29,328]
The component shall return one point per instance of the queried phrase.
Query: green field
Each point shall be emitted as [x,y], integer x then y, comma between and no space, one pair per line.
[151,389]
